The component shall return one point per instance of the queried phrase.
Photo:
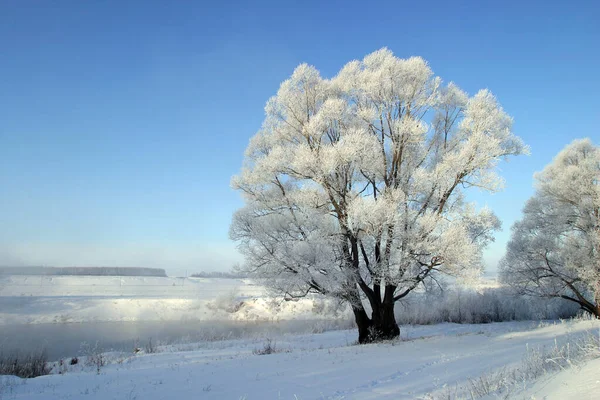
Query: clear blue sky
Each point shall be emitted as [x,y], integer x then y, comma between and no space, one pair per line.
[122,122]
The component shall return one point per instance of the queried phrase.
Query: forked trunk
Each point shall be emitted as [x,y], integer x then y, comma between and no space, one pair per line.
[384,322]
[382,325]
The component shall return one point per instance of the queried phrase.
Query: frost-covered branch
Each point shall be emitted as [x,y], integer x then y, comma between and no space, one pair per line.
[554,249]
[354,184]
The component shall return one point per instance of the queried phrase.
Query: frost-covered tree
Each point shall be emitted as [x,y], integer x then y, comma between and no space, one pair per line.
[354,185]
[554,250]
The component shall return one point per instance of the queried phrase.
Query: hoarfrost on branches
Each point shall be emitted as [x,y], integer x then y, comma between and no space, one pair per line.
[554,250]
[354,185]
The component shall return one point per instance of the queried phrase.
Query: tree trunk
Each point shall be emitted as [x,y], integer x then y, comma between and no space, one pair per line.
[596,311]
[384,322]
[595,308]
[592,309]
[364,325]
[382,325]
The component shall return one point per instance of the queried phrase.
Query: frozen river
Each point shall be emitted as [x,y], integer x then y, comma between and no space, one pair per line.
[65,340]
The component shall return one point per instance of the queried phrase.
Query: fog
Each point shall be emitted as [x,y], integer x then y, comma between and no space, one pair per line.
[66,340]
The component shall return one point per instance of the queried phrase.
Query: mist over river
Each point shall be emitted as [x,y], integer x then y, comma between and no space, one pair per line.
[65,340]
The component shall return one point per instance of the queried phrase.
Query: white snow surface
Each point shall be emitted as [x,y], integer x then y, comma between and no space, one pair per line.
[423,364]
[426,361]
[580,383]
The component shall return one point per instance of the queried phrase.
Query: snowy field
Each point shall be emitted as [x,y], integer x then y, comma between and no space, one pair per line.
[429,362]
[235,321]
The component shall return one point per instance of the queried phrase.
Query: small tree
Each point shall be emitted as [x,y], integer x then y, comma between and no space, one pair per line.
[353,186]
[555,249]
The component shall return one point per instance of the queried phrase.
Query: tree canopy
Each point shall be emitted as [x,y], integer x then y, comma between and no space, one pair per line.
[354,186]
[554,250]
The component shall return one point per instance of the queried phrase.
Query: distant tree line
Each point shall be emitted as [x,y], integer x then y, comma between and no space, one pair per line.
[89,271]
[214,274]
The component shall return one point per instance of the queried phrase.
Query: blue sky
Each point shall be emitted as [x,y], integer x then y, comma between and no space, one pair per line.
[121,123]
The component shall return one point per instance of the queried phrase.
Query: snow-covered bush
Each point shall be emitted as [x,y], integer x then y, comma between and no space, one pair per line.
[24,365]
[268,347]
[473,307]
[227,302]
[150,346]
[94,355]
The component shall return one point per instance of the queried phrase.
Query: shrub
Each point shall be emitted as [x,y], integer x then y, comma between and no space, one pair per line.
[468,306]
[269,347]
[94,355]
[150,347]
[24,365]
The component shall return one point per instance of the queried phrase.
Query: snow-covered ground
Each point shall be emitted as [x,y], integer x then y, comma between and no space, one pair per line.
[429,362]
[578,383]
[426,363]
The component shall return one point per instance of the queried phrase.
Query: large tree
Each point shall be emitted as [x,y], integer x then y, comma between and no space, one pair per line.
[554,250]
[354,185]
